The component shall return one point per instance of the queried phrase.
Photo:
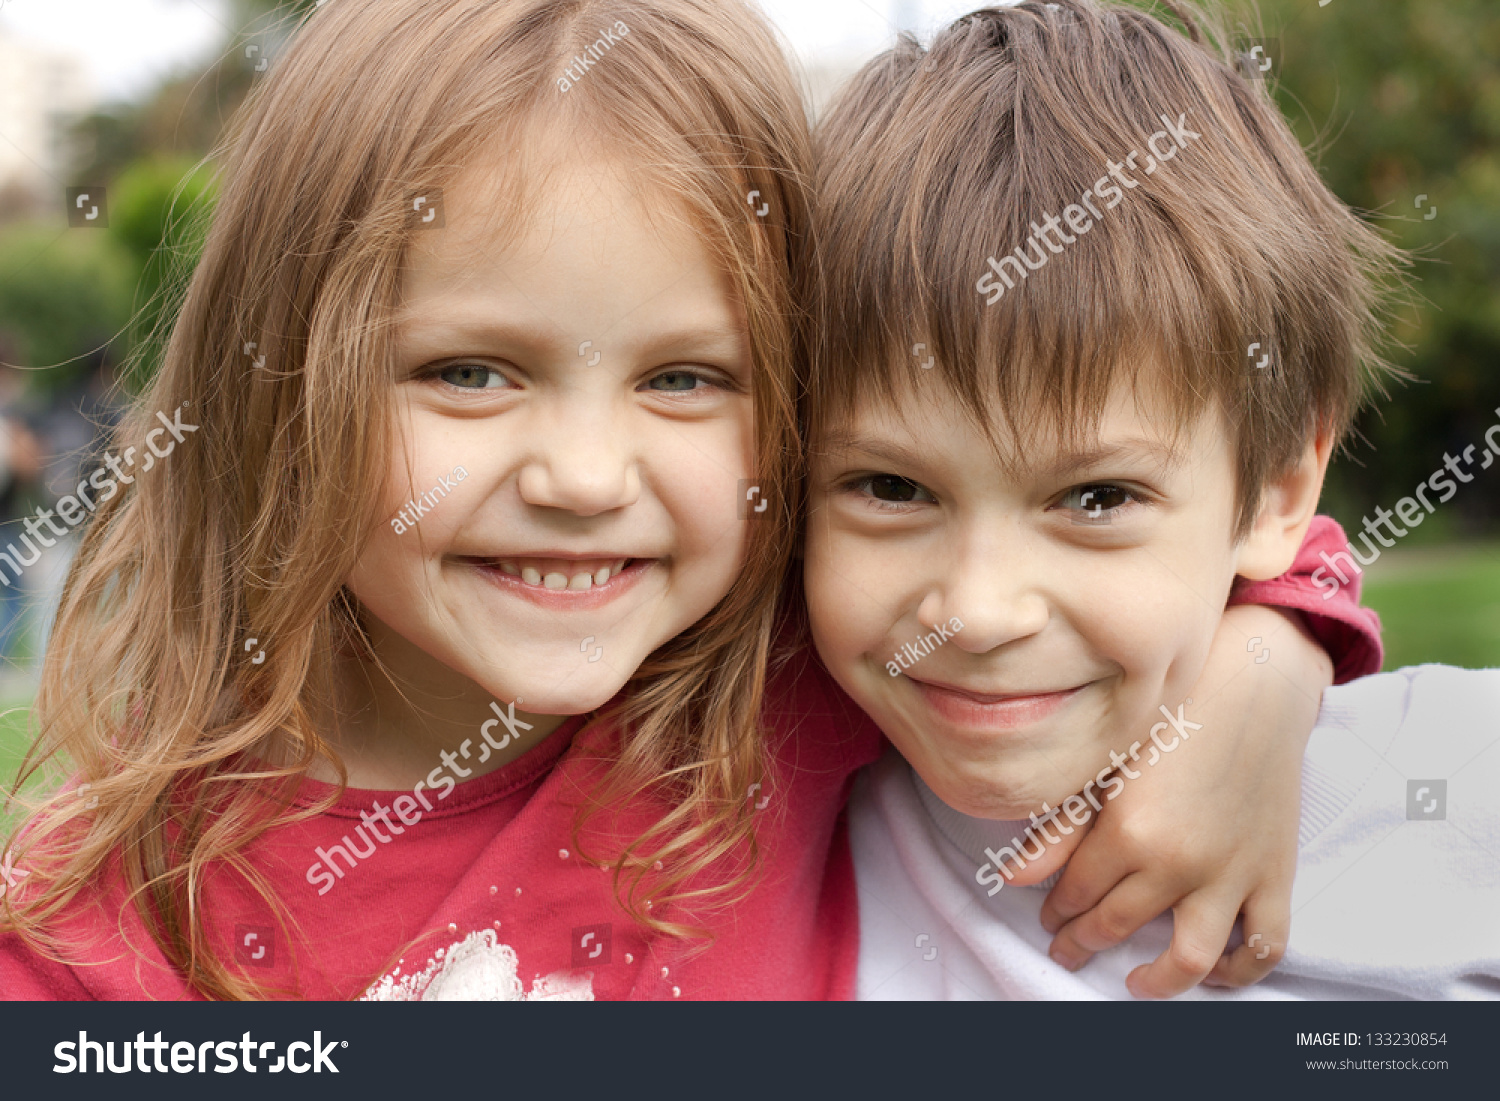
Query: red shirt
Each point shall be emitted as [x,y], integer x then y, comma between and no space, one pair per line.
[476,890]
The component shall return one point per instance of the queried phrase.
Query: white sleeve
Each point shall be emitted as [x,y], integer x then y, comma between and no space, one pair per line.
[1398,893]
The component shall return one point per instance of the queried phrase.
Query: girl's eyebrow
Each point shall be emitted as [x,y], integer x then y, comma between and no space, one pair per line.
[725,340]
[438,334]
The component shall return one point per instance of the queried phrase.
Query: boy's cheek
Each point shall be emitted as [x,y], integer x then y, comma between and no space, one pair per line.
[839,631]
[843,642]
[838,583]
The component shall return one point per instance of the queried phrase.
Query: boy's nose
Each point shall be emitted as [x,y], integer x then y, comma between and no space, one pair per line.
[994,597]
[583,466]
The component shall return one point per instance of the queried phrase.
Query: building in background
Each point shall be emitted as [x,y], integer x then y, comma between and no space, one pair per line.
[42,93]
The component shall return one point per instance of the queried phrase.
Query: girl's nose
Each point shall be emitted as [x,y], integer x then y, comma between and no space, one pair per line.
[581,466]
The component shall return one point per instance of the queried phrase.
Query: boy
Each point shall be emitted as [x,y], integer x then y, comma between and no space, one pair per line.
[1090,327]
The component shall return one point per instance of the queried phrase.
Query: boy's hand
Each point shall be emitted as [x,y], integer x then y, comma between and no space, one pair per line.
[1209,831]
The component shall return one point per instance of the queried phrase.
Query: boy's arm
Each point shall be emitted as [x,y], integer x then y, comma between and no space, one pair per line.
[1328,597]
[1211,831]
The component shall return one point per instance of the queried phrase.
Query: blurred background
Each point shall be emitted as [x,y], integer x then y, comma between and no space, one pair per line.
[108,106]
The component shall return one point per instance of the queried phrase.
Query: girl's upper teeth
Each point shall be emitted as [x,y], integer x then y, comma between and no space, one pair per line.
[578,577]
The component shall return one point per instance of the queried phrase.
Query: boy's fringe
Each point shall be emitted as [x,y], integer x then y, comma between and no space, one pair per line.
[933,161]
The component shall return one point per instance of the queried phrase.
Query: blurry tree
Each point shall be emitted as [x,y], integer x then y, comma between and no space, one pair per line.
[1401,100]
[261,7]
[143,152]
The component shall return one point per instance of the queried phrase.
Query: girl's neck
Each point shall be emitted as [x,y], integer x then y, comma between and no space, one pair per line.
[392,726]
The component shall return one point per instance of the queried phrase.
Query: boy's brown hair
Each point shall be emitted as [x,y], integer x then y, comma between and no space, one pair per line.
[938,167]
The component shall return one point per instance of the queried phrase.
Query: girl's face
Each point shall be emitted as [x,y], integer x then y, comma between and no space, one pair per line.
[575,422]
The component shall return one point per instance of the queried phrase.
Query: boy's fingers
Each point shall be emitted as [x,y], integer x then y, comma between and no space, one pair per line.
[1267,925]
[1125,909]
[1200,928]
[1095,869]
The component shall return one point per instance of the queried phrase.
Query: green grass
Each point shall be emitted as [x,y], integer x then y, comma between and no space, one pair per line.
[15,738]
[1438,604]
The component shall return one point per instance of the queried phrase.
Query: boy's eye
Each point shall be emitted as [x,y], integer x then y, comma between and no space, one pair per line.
[891,489]
[1101,502]
[471,376]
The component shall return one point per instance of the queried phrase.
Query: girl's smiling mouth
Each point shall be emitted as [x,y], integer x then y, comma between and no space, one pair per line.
[563,582]
[561,573]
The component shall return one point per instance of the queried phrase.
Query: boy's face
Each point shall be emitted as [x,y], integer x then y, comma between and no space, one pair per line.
[1078,595]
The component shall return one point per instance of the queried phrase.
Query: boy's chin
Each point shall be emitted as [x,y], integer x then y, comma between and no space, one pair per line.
[978,794]
[995,792]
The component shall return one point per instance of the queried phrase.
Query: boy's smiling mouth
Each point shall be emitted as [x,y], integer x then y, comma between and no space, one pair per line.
[999,710]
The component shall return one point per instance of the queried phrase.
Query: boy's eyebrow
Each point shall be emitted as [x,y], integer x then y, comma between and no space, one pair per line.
[841,440]
[1136,447]
[838,441]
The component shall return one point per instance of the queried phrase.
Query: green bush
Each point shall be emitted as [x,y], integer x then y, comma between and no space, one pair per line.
[159,211]
[63,293]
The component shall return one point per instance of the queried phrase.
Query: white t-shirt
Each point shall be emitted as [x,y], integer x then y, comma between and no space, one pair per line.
[1398,871]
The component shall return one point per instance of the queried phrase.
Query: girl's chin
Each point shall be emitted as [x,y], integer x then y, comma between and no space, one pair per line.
[540,695]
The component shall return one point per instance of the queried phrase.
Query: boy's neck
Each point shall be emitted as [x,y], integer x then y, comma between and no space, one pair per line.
[973,836]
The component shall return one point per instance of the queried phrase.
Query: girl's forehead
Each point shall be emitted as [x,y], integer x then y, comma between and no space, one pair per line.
[518,197]
[583,261]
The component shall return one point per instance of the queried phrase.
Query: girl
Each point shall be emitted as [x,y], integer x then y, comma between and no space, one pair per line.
[484,428]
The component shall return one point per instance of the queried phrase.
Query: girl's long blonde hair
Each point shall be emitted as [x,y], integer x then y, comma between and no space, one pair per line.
[249,527]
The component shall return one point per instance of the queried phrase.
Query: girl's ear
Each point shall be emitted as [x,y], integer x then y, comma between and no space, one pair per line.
[1287,507]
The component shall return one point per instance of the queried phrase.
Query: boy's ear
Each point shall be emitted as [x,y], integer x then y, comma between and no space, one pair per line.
[1287,507]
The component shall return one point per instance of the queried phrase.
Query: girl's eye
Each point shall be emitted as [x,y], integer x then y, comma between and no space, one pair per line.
[891,489]
[675,382]
[471,376]
[1098,503]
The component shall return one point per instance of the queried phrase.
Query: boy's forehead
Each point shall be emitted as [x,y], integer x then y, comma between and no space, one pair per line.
[920,424]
